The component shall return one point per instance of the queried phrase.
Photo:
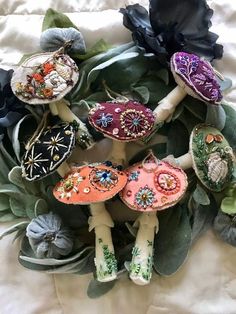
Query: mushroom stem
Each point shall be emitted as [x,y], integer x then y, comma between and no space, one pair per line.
[167,105]
[67,115]
[105,261]
[185,161]
[63,169]
[142,254]
[117,154]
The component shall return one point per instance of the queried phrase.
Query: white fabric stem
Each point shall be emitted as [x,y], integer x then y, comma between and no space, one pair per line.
[117,154]
[185,161]
[101,221]
[67,115]
[142,254]
[53,108]
[167,105]
[63,169]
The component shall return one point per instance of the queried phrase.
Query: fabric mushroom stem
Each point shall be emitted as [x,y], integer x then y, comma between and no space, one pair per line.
[142,253]
[167,105]
[105,262]
[118,153]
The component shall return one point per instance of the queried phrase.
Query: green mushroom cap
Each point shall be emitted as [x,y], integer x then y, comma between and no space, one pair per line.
[212,157]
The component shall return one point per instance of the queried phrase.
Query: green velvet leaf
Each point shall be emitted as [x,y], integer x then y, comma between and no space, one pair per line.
[15,176]
[177,139]
[228,205]
[53,18]
[203,217]
[197,107]
[173,240]
[216,116]
[96,289]
[200,196]
[229,130]
[54,261]
[109,74]
[225,84]
[99,47]
[10,189]
[17,207]
[4,202]
[5,216]
[40,207]
[142,92]
[19,226]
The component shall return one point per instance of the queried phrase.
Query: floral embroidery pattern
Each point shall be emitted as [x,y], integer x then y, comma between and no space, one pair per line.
[145,197]
[49,79]
[198,74]
[167,182]
[134,122]
[103,180]
[133,176]
[104,120]
[70,185]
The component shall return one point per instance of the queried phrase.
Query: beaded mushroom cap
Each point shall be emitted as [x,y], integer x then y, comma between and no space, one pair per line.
[212,157]
[90,184]
[153,186]
[48,150]
[126,121]
[44,78]
[196,76]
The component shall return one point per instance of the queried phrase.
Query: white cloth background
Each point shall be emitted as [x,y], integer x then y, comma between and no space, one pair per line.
[206,284]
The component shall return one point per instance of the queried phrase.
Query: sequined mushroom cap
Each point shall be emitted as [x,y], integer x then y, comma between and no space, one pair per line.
[46,78]
[210,156]
[152,186]
[48,151]
[93,184]
[194,77]
[122,122]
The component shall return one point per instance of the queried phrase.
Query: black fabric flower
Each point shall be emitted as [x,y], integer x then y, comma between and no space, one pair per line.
[173,26]
[11,108]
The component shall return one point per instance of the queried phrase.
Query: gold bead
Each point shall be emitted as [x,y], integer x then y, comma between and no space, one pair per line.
[56,157]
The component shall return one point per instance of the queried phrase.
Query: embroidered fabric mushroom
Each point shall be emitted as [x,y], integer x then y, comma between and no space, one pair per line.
[194,76]
[48,150]
[210,156]
[122,122]
[152,186]
[92,185]
[46,78]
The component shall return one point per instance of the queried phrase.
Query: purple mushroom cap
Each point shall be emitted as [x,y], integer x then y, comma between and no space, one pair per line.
[196,76]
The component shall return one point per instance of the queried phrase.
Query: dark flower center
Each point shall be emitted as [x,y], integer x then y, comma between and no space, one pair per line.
[49,236]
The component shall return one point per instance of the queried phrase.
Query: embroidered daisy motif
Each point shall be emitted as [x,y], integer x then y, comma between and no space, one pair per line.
[103,179]
[104,119]
[70,186]
[34,161]
[55,143]
[134,122]
[145,197]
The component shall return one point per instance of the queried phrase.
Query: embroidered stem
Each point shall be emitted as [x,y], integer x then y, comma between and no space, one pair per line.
[142,254]
[106,264]
[168,104]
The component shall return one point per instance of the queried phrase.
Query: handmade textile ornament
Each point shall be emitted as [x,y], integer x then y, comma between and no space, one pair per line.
[54,38]
[48,237]
[47,150]
[92,185]
[195,77]
[46,78]
[152,186]
[122,122]
[210,156]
